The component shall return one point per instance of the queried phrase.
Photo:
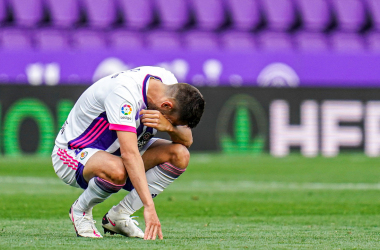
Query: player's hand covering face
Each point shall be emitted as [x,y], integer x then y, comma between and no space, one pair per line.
[155,119]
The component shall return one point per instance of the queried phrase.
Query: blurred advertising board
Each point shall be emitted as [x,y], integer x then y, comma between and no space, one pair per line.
[313,121]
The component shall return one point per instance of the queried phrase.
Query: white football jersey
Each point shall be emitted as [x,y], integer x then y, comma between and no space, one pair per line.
[111,104]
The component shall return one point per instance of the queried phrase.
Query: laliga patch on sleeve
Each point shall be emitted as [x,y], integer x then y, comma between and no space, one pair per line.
[126,113]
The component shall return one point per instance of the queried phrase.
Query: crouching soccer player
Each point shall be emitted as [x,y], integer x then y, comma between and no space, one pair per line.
[107,144]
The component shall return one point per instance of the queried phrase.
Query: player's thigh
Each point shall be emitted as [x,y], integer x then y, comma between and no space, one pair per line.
[166,151]
[106,166]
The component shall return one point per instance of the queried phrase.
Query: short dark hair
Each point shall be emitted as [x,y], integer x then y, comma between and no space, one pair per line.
[190,103]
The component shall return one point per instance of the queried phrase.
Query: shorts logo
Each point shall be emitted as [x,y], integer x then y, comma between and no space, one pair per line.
[83,155]
[126,109]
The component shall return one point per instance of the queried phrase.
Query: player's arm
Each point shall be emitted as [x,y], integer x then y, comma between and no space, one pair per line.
[178,134]
[182,135]
[136,172]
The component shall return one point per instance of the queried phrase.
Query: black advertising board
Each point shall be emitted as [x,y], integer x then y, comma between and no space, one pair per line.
[248,120]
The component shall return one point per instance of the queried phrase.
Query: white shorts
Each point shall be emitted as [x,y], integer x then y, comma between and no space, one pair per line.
[69,163]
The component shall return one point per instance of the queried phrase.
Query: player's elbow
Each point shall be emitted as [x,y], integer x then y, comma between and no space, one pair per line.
[188,143]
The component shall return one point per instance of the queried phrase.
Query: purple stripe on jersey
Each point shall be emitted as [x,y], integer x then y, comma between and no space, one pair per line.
[140,130]
[158,78]
[99,129]
[88,134]
[97,135]
[149,129]
[144,86]
[144,89]
[105,140]
[89,131]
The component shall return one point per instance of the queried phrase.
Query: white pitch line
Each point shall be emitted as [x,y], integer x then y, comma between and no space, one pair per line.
[252,185]
[199,185]
[30,180]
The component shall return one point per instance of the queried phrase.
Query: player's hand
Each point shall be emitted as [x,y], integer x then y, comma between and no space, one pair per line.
[154,119]
[152,224]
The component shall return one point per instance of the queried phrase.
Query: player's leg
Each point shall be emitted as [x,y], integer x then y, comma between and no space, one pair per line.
[67,166]
[101,175]
[164,162]
[105,175]
[166,151]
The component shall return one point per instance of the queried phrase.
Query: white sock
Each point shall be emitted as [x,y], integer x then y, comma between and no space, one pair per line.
[97,191]
[158,179]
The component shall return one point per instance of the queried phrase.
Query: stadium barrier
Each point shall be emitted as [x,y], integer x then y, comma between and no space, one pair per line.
[313,121]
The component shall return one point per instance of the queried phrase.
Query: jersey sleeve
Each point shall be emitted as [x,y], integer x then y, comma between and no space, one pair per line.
[121,110]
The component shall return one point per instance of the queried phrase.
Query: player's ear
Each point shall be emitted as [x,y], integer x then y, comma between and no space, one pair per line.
[167,105]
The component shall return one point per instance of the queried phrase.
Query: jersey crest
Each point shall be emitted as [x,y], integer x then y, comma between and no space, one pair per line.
[144,139]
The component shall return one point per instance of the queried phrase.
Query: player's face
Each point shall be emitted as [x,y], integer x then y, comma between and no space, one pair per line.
[172,118]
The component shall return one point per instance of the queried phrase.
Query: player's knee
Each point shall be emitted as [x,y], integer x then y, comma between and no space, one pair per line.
[117,172]
[179,156]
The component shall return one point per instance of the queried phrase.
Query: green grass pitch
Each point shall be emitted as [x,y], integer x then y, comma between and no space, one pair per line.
[222,201]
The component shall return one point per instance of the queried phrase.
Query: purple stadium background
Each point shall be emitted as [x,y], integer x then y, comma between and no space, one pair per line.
[297,43]
[200,69]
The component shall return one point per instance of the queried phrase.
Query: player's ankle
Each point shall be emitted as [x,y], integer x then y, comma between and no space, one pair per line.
[121,209]
[78,209]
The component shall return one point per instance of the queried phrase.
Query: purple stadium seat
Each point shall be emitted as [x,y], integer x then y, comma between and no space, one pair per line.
[87,39]
[63,13]
[27,13]
[347,42]
[3,10]
[280,14]
[311,42]
[163,40]
[373,41]
[125,39]
[275,41]
[201,40]
[100,13]
[174,14]
[316,14]
[238,41]
[51,39]
[350,13]
[15,39]
[209,14]
[138,14]
[374,7]
[245,14]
